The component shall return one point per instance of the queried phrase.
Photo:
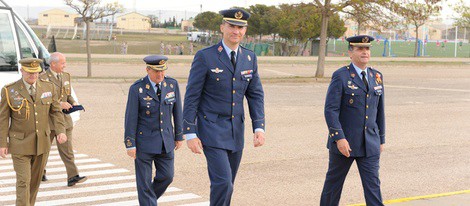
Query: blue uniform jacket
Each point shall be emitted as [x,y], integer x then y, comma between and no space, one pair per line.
[148,120]
[213,104]
[355,114]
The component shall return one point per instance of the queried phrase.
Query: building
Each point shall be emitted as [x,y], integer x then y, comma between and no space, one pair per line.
[187,25]
[133,21]
[56,17]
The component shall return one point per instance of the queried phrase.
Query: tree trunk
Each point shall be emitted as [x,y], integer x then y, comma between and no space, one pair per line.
[321,54]
[358,28]
[88,49]
[416,43]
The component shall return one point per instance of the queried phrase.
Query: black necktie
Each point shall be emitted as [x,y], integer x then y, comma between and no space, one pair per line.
[232,58]
[365,80]
[159,91]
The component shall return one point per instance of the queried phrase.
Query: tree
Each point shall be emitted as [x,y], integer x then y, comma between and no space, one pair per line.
[261,21]
[90,10]
[327,9]
[373,15]
[464,12]
[208,21]
[416,12]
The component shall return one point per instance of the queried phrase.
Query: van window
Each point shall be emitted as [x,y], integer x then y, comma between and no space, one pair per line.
[8,59]
[26,48]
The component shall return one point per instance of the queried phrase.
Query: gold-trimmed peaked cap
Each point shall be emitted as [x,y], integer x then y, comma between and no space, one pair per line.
[31,65]
[156,62]
[360,40]
[238,17]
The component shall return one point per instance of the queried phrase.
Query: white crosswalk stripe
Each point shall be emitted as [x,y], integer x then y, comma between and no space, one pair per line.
[106,185]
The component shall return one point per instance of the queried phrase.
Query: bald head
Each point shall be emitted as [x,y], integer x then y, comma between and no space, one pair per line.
[57,62]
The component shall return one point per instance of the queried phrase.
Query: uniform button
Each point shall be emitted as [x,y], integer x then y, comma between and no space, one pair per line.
[367,95]
[34,104]
[233,91]
[161,113]
[217,79]
[188,128]
[352,94]
[233,116]
[35,113]
[365,127]
[161,130]
[37,131]
[161,122]
[332,135]
[367,106]
[336,133]
[234,79]
[140,132]
[37,122]
[233,104]
[205,116]
[367,117]
[62,96]
[262,124]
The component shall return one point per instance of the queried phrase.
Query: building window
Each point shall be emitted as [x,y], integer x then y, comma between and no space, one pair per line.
[66,16]
[45,15]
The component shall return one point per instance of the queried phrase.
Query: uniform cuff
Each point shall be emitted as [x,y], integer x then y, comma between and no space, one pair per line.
[259,130]
[336,134]
[129,142]
[189,127]
[258,124]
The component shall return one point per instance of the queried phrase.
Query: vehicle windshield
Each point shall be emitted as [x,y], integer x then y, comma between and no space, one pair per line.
[8,49]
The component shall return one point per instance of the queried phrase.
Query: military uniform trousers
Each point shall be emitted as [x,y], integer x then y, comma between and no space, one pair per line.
[222,165]
[338,168]
[66,153]
[29,170]
[147,190]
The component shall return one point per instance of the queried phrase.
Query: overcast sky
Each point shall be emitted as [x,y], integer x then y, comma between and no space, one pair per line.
[187,5]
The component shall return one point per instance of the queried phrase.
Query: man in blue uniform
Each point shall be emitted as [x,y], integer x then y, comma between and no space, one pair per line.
[354,113]
[220,77]
[149,134]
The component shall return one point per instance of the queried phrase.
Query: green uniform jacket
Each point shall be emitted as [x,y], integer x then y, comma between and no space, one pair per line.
[64,88]
[28,132]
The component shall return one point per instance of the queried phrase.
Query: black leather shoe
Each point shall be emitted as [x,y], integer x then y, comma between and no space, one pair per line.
[44,178]
[74,180]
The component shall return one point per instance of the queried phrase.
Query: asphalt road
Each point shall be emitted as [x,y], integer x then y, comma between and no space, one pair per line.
[427,137]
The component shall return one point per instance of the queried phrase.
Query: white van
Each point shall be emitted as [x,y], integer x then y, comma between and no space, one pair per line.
[18,41]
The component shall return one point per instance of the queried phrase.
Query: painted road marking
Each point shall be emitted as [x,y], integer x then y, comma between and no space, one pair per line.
[407,199]
[106,183]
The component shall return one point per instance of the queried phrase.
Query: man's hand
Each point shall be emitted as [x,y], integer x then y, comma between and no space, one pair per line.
[381,148]
[61,138]
[343,147]
[258,139]
[4,152]
[178,144]
[131,153]
[195,145]
[65,105]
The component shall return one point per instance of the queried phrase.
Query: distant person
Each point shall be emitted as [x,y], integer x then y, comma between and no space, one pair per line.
[177,49]
[438,44]
[191,48]
[124,48]
[354,114]
[169,48]
[62,83]
[221,76]
[460,45]
[181,49]
[153,107]
[162,48]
